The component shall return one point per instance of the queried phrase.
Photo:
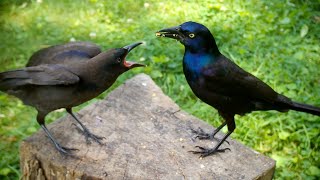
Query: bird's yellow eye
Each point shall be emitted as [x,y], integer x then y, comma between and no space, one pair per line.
[192,35]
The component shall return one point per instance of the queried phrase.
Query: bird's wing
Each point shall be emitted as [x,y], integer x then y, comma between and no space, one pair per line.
[37,75]
[227,78]
[61,53]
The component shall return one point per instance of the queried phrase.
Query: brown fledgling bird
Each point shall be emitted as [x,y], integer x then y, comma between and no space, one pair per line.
[65,76]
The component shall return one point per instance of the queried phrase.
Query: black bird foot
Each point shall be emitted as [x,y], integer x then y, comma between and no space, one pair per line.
[88,135]
[65,150]
[96,138]
[204,152]
[200,134]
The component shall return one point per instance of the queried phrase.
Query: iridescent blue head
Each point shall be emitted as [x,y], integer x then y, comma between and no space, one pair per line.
[194,36]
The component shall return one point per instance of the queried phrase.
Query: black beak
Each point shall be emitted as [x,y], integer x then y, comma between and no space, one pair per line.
[132,46]
[130,64]
[173,32]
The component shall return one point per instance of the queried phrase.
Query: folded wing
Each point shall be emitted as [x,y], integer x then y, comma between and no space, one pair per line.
[61,54]
[37,75]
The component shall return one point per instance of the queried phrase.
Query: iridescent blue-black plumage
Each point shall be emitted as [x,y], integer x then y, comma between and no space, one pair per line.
[221,83]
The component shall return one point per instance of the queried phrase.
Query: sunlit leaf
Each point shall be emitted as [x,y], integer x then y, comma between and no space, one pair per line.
[314,171]
[285,20]
[283,135]
[5,171]
[304,31]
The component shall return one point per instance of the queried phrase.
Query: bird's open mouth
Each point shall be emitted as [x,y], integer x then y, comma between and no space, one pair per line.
[131,64]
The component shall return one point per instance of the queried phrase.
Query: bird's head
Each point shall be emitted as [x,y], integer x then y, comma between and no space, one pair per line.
[194,36]
[123,52]
[118,61]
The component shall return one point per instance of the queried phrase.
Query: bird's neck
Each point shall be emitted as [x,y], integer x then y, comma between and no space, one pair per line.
[199,53]
[199,56]
[100,60]
[194,63]
[101,71]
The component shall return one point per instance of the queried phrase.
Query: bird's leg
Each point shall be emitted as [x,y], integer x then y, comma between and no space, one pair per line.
[231,127]
[200,134]
[85,130]
[61,149]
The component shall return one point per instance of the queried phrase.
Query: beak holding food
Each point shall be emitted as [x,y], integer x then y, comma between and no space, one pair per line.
[173,32]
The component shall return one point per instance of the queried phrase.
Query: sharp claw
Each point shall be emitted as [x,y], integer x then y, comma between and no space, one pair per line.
[200,130]
[66,150]
[207,152]
[89,135]
[223,150]
[192,130]
[204,155]
[200,134]
[202,148]
[227,142]
[195,152]
[98,139]
[205,137]
[196,131]
[70,149]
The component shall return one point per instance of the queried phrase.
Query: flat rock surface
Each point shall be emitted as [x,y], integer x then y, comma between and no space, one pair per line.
[146,135]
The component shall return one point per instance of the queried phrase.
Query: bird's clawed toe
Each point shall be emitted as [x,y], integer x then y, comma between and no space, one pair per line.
[88,135]
[204,152]
[96,138]
[200,134]
[65,150]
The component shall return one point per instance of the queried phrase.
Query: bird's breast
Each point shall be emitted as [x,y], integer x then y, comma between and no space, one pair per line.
[193,65]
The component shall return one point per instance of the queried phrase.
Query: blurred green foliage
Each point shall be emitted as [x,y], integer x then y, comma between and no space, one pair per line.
[276,40]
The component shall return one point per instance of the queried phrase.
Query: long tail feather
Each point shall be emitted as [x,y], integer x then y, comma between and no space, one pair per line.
[305,108]
[12,79]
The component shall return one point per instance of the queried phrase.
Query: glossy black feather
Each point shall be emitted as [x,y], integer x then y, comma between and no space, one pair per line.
[221,83]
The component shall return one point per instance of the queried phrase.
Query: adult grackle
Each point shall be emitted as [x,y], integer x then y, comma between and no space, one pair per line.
[65,76]
[222,84]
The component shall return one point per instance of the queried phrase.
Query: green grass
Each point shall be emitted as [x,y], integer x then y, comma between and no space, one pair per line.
[276,40]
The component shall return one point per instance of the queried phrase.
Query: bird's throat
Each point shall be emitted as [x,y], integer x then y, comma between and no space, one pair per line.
[195,62]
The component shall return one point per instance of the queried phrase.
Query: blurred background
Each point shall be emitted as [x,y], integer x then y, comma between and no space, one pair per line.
[276,40]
